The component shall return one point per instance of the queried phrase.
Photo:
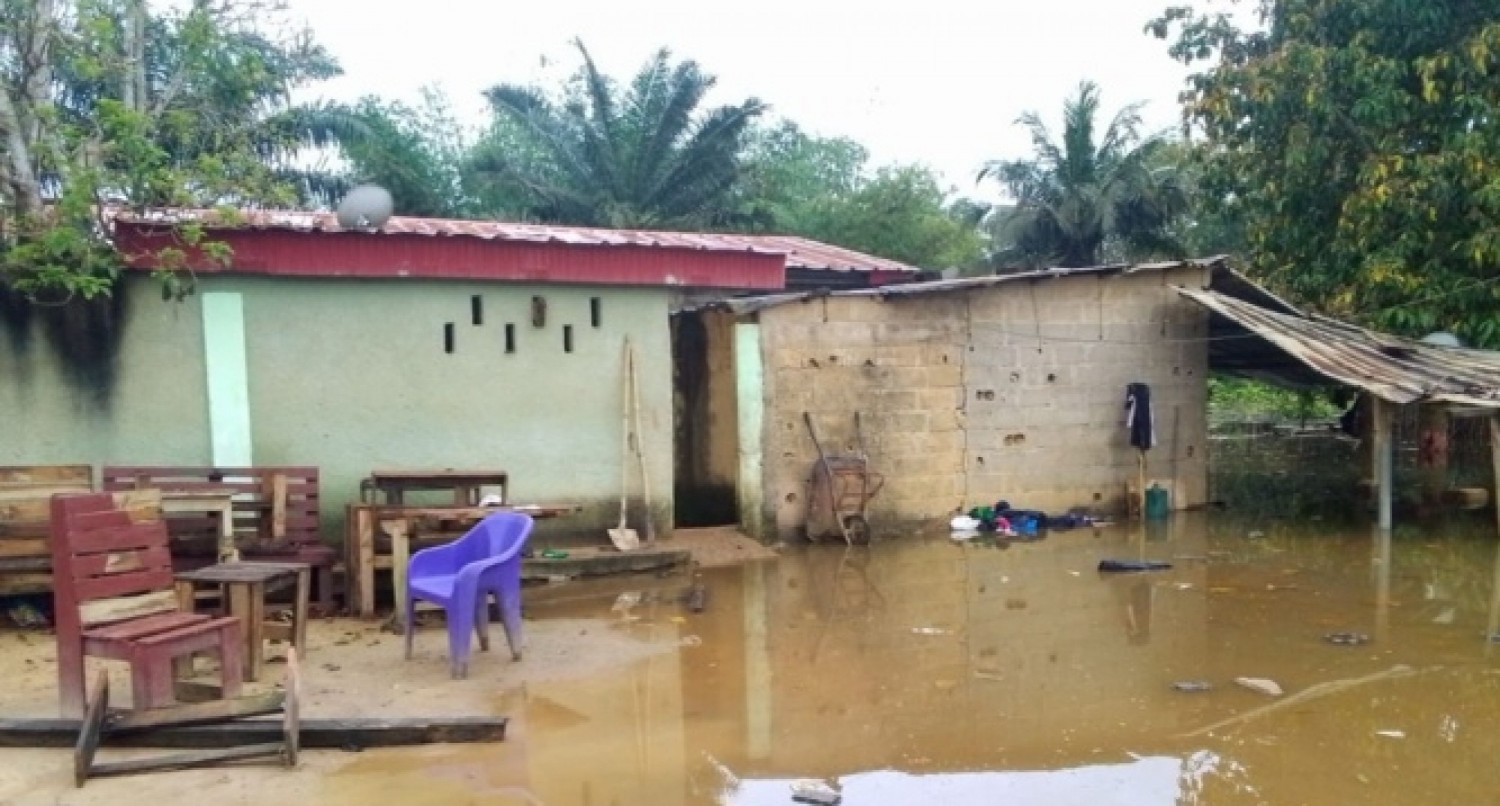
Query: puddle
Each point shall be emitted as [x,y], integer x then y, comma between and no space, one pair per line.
[921,671]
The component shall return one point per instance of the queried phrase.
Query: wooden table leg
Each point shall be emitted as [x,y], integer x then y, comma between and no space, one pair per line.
[243,600]
[255,658]
[182,665]
[365,534]
[228,553]
[400,556]
[299,611]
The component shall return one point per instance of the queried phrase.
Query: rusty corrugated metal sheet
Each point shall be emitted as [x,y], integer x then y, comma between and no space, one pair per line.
[798,253]
[749,305]
[312,245]
[802,253]
[1389,367]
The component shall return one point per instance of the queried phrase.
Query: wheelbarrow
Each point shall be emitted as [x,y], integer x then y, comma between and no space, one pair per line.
[842,485]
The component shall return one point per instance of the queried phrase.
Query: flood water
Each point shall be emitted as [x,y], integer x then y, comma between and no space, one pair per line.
[923,670]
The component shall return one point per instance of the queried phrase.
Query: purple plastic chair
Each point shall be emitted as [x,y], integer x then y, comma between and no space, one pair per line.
[461,576]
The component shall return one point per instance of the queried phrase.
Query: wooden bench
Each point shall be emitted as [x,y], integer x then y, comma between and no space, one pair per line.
[275,514]
[25,512]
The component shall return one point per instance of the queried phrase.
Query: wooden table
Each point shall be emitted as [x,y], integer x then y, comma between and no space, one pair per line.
[246,585]
[221,504]
[464,484]
[400,524]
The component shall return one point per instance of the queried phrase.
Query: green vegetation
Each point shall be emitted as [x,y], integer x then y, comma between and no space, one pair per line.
[1354,141]
[109,104]
[1241,399]
[1085,198]
[1344,150]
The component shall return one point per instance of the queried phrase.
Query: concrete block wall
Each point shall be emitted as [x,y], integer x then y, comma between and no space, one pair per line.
[899,364]
[1014,392]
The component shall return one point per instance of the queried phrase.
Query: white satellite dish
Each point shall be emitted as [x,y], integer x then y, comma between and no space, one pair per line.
[367,207]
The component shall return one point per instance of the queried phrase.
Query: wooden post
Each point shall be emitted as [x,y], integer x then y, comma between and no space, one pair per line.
[400,531]
[1382,563]
[1385,456]
[1494,622]
[1495,458]
[1140,482]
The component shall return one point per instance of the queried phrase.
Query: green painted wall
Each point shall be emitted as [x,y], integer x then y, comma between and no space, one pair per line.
[352,375]
[156,412]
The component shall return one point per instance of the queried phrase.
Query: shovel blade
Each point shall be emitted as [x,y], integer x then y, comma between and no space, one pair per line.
[625,539]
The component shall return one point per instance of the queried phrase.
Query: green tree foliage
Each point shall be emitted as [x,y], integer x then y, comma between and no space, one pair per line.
[900,213]
[822,188]
[106,104]
[417,153]
[1357,142]
[1090,196]
[792,178]
[1207,227]
[639,155]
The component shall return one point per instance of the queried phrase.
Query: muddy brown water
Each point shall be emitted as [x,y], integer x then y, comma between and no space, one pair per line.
[923,670]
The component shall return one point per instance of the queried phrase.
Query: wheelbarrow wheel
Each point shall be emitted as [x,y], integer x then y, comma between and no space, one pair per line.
[858,529]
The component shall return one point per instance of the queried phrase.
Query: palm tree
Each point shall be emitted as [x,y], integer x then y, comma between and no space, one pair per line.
[636,156]
[1083,200]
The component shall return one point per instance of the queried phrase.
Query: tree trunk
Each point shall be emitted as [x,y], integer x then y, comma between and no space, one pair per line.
[23,106]
[133,86]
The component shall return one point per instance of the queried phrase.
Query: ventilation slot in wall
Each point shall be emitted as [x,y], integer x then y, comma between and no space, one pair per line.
[567,338]
[448,338]
[510,338]
[596,311]
[476,309]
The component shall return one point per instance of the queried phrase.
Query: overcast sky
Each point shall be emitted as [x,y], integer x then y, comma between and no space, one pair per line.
[938,82]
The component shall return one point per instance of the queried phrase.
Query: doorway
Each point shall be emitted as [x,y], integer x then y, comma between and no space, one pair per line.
[706,424]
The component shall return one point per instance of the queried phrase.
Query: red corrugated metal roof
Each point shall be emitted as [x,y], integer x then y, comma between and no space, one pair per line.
[800,253]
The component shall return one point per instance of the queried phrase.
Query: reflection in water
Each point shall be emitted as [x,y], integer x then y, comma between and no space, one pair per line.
[919,671]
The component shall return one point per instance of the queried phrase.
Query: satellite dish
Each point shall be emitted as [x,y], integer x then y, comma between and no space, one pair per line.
[1442,338]
[367,207]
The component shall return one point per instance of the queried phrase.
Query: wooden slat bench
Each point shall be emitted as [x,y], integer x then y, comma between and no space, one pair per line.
[275,514]
[25,512]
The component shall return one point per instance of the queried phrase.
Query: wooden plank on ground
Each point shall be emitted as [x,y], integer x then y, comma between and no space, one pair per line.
[313,733]
[184,761]
[200,713]
[91,729]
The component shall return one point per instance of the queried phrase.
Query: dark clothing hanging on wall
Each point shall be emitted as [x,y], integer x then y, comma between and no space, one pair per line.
[1138,416]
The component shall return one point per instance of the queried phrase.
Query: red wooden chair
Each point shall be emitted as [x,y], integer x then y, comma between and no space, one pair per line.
[112,583]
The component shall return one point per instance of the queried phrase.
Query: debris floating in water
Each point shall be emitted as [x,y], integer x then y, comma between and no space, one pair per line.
[1347,638]
[1133,565]
[818,792]
[1391,734]
[1193,686]
[1261,684]
[929,631]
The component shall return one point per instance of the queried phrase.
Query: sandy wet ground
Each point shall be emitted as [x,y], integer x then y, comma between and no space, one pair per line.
[923,670]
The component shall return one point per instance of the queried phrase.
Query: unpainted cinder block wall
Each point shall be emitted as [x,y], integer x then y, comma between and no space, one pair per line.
[1014,391]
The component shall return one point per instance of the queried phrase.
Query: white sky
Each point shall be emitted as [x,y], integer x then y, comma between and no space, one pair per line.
[937,82]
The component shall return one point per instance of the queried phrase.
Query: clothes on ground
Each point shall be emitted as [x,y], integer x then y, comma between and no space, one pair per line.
[1139,418]
[1009,521]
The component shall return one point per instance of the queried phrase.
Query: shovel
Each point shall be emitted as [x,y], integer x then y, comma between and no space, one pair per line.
[625,539]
